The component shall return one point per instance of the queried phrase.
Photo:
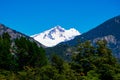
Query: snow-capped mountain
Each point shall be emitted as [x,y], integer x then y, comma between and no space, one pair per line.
[55,35]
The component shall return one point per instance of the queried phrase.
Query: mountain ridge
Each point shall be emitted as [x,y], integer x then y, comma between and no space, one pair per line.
[104,27]
[15,34]
[55,35]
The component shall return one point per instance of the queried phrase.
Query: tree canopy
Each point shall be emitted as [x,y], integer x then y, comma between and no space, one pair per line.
[22,59]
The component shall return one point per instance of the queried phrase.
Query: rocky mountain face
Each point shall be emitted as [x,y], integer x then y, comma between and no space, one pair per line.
[55,35]
[15,34]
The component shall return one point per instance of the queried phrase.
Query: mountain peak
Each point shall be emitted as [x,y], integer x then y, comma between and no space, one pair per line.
[55,35]
[58,27]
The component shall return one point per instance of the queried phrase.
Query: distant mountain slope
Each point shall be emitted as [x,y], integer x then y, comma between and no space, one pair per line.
[55,35]
[15,34]
[110,27]
[109,30]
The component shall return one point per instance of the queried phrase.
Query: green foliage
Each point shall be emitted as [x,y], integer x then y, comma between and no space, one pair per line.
[6,58]
[14,55]
[91,75]
[85,56]
[22,59]
[48,72]
[116,76]
[96,59]
[57,62]
[29,53]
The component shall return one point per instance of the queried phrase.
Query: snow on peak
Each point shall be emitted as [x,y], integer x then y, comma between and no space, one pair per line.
[55,35]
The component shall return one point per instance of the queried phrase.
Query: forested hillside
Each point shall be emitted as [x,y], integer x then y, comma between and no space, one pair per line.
[22,59]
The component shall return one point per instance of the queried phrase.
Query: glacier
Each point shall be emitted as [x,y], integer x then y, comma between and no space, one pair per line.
[55,35]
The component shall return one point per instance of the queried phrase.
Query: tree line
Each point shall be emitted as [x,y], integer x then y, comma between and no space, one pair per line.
[22,59]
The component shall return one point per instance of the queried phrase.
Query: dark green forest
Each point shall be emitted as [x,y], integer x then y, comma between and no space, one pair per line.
[22,59]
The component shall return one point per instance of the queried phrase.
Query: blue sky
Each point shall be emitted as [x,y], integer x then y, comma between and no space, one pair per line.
[35,16]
